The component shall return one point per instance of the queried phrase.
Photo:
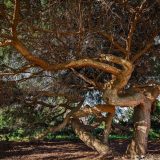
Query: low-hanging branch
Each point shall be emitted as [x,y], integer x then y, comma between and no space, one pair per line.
[88,138]
[60,126]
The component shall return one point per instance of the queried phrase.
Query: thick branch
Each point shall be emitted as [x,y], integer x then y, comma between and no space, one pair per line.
[119,81]
[118,60]
[88,138]
[124,101]
[73,64]
[132,99]
[98,109]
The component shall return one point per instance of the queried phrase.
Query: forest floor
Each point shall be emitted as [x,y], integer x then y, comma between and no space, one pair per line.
[67,150]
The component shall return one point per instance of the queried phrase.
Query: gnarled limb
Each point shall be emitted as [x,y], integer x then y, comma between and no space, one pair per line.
[120,81]
[55,67]
[83,133]
[96,110]
[88,138]
[113,98]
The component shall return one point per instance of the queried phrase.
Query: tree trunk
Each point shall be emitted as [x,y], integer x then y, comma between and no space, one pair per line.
[107,129]
[88,138]
[138,146]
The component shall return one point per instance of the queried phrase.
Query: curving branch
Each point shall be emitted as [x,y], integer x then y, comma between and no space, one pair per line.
[120,80]
[133,98]
[124,101]
[127,66]
[88,138]
[96,110]
[73,64]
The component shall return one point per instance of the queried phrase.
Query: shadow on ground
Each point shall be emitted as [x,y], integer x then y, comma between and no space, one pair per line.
[63,150]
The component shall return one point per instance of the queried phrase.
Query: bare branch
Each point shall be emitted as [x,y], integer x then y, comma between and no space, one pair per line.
[14,71]
[15,17]
[147,47]
[84,78]
[133,26]
[96,110]
[115,43]
[143,51]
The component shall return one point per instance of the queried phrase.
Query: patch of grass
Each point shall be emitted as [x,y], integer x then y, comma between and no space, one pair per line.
[61,137]
[20,135]
[119,137]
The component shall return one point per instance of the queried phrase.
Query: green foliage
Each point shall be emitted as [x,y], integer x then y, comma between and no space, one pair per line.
[18,122]
[4,55]
[119,136]
[158,107]
[153,134]
[44,2]
[8,3]
[65,134]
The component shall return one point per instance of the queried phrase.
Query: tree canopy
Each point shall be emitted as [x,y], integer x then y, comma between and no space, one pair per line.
[55,53]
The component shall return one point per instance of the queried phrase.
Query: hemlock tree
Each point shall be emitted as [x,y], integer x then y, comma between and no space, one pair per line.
[85,46]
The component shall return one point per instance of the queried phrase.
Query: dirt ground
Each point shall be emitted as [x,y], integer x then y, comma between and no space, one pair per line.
[67,150]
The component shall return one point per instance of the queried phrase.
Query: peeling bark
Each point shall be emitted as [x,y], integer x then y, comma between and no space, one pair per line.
[142,113]
[138,145]
[142,99]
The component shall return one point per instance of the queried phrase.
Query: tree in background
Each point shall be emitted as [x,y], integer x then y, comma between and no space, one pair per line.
[71,48]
